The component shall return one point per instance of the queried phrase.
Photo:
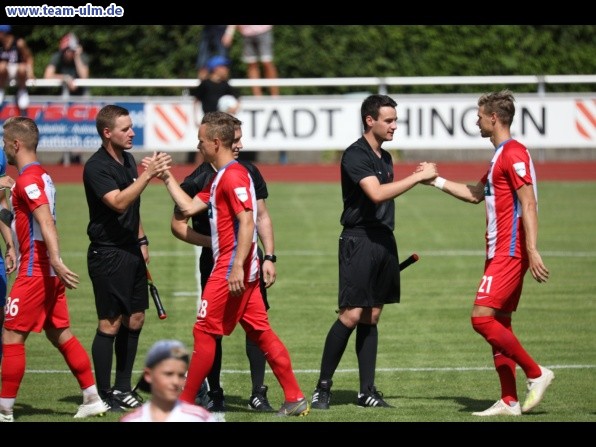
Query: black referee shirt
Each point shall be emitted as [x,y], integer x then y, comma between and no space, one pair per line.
[101,175]
[357,162]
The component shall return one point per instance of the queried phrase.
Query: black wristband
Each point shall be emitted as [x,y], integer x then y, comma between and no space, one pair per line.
[143,241]
[271,258]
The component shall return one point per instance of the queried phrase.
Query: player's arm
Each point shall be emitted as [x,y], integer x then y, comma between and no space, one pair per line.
[188,206]
[467,193]
[530,220]
[265,231]
[181,230]
[379,193]
[10,256]
[44,218]
[120,200]
[246,228]
[143,242]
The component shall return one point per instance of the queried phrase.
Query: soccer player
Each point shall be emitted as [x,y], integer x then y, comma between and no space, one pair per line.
[510,193]
[232,294]
[37,299]
[199,235]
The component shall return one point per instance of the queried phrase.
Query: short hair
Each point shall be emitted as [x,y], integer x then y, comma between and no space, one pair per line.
[107,117]
[500,103]
[372,104]
[220,125]
[24,129]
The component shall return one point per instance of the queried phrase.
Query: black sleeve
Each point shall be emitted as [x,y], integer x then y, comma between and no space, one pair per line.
[258,180]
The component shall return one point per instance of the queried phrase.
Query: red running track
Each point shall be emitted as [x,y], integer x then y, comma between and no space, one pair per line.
[463,171]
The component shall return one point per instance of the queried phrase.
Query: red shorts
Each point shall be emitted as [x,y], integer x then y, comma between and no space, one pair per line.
[36,303]
[501,284]
[220,312]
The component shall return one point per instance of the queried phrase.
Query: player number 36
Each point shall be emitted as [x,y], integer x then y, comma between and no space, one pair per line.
[12,307]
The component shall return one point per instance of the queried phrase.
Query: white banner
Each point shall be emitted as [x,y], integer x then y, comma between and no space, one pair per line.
[294,123]
[424,122]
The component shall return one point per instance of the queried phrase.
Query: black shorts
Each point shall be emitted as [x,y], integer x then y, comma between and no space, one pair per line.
[119,278]
[206,266]
[368,268]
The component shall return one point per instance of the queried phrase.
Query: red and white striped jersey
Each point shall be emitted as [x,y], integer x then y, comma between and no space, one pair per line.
[230,192]
[511,167]
[33,188]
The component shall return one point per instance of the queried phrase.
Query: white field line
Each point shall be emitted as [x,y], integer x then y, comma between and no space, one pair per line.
[352,370]
[286,253]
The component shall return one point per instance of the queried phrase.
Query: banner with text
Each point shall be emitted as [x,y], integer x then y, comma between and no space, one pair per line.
[293,123]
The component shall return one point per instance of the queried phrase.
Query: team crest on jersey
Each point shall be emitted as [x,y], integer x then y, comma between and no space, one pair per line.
[241,193]
[520,168]
[33,191]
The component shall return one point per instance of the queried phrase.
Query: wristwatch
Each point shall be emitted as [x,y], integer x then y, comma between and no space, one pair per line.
[271,258]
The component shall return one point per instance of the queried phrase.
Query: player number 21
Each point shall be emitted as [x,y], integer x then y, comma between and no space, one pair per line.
[485,284]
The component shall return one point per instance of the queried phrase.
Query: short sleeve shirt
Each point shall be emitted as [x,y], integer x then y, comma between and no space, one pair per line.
[101,175]
[358,162]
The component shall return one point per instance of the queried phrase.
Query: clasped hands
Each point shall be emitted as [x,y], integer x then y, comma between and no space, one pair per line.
[157,165]
[428,172]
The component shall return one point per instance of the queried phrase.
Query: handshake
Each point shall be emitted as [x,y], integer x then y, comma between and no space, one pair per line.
[428,172]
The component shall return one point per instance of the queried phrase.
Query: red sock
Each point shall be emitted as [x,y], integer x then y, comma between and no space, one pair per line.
[78,361]
[13,369]
[505,341]
[505,367]
[278,358]
[200,364]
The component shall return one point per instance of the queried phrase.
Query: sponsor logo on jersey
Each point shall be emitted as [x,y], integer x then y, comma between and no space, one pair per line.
[241,193]
[520,168]
[33,191]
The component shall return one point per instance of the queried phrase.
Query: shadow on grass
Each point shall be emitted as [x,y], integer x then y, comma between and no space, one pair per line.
[22,410]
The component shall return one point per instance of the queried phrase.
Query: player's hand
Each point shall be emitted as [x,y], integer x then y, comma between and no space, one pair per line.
[269,273]
[236,280]
[6,182]
[537,268]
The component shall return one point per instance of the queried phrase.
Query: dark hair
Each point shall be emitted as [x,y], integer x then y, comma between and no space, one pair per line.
[220,125]
[500,103]
[107,117]
[22,128]
[372,104]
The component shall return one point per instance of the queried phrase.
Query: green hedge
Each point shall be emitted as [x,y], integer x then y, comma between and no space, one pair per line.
[313,51]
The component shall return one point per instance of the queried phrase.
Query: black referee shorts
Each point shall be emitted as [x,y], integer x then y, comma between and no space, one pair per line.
[119,278]
[368,268]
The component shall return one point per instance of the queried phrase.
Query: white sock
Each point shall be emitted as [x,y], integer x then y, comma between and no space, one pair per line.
[90,394]
[7,403]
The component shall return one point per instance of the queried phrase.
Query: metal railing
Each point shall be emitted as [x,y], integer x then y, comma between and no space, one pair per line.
[381,83]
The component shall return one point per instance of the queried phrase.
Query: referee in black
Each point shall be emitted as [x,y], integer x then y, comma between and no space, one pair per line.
[368,259]
[118,252]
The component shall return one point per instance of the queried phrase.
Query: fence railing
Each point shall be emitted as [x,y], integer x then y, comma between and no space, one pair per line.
[381,83]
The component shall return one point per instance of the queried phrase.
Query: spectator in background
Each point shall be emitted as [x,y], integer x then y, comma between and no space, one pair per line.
[215,93]
[16,62]
[68,64]
[257,47]
[211,44]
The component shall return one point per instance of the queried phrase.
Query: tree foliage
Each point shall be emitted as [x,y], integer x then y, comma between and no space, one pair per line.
[314,51]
